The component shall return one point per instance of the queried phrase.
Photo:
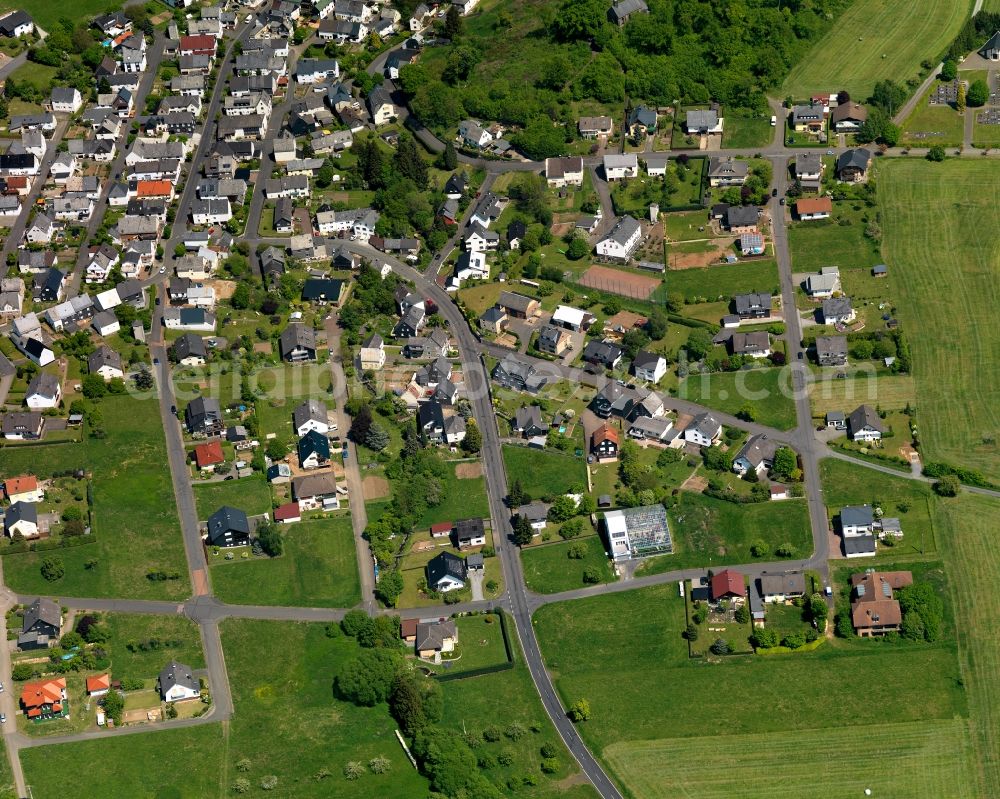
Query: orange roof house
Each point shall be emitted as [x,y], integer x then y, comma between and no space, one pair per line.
[25,484]
[145,189]
[40,698]
[207,455]
[98,685]
[814,207]
[289,512]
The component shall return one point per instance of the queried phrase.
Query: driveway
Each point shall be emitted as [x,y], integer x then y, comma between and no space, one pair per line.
[476,583]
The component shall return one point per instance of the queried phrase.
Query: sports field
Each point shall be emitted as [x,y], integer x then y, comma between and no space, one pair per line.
[929,760]
[874,40]
[941,236]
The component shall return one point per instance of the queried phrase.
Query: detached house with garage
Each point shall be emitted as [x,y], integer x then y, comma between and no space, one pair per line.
[703,122]
[864,424]
[41,625]
[848,117]
[857,526]
[874,608]
[852,165]
[446,572]
[649,366]
[727,172]
[618,167]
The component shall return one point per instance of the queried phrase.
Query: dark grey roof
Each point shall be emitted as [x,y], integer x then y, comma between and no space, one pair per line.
[827,346]
[189,345]
[44,385]
[793,583]
[515,301]
[864,416]
[310,410]
[445,565]
[740,215]
[624,230]
[297,335]
[859,159]
[227,520]
[857,516]
[104,356]
[859,544]
[175,673]
[44,610]
[646,360]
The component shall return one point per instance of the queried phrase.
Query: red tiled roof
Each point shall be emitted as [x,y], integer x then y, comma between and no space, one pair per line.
[208,454]
[605,431]
[289,510]
[20,485]
[102,682]
[441,527]
[728,583]
[199,43]
[408,628]
[34,712]
[812,205]
[46,692]
[154,188]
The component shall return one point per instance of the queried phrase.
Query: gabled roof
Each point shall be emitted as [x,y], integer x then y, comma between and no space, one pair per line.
[858,159]
[44,610]
[313,443]
[728,583]
[864,416]
[310,410]
[175,674]
[444,565]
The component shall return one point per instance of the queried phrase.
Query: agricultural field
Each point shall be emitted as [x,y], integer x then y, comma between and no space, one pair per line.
[913,502]
[927,211]
[134,513]
[250,494]
[715,717]
[885,44]
[713,532]
[47,13]
[318,568]
[543,473]
[549,569]
[767,390]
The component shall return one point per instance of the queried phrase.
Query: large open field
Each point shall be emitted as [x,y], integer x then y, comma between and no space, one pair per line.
[715,715]
[543,473]
[883,43]
[767,390]
[941,237]
[318,569]
[134,511]
[47,13]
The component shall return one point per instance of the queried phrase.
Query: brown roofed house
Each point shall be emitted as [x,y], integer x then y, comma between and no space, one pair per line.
[874,609]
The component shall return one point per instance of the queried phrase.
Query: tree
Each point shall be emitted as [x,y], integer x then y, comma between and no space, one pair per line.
[785,463]
[719,647]
[241,296]
[522,530]
[947,486]
[453,23]
[389,587]
[53,569]
[473,441]
[579,711]
[764,638]
[978,94]
[742,614]
[578,248]
[354,622]
[949,70]
[377,439]
[114,706]
[540,139]
[408,162]
[276,449]
[94,387]
[449,159]
[591,575]
[360,425]
[143,379]
[367,680]
[690,632]
[379,765]
[863,349]
[936,153]
[960,98]
[562,509]
[656,324]
[415,701]
[516,495]
[699,343]
[353,770]
[888,96]
[747,412]
[325,175]
[269,538]
[22,671]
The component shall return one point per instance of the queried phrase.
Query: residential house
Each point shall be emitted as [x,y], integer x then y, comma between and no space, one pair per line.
[649,366]
[41,230]
[857,525]
[311,415]
[518,375]
[44,391]
[176,682]
[228,527]
[313,450]
[322,290]
[203,415]
[105,362]
[618,167]
[864,424]
[41,625]
[380,106]
[594,127]
[446,572]
[620,12]
[297,343]
[410,324]
[316,491]
[469,533]
[471,265]
[831,350]
[727,584]
[617,399]
[372,356]
[809,118]
[189,350]
[566,171]
[45,699]
[645,428]
[15,24]
[752,345]
[810,208]
[756,455]
[704,430]
[22,426]
[431,639]
[21,519]
[493,320]
[838,310]
[755,305]
[65,100]
[809,171]
[528,422]
[848,117]
[782,587]
[741,218]
[487,210]
[24,488]
[727,171]
[604,443]
[602,353]
[703,122]
[480,239]
[188,318]
[874,608]
[317,70]
[621,241]
[641,121]
[208,456]
[553,340]
[825,284]
[852,165]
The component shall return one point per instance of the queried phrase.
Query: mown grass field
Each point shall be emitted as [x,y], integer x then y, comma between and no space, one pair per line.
[721,280]
[131,766]
[887,391]
[250,494]
[318,569]
[463,498]
[767,390]
[709,531]
[827,242]
[929,759]
[716,709]
[742,132]
[883,43]
[940,236]
[134,512]
[548,569]
[943,121]
[543,473]
[972,554]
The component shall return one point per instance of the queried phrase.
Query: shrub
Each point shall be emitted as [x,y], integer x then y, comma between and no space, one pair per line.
[579,711]
[353,770]
[550,765]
